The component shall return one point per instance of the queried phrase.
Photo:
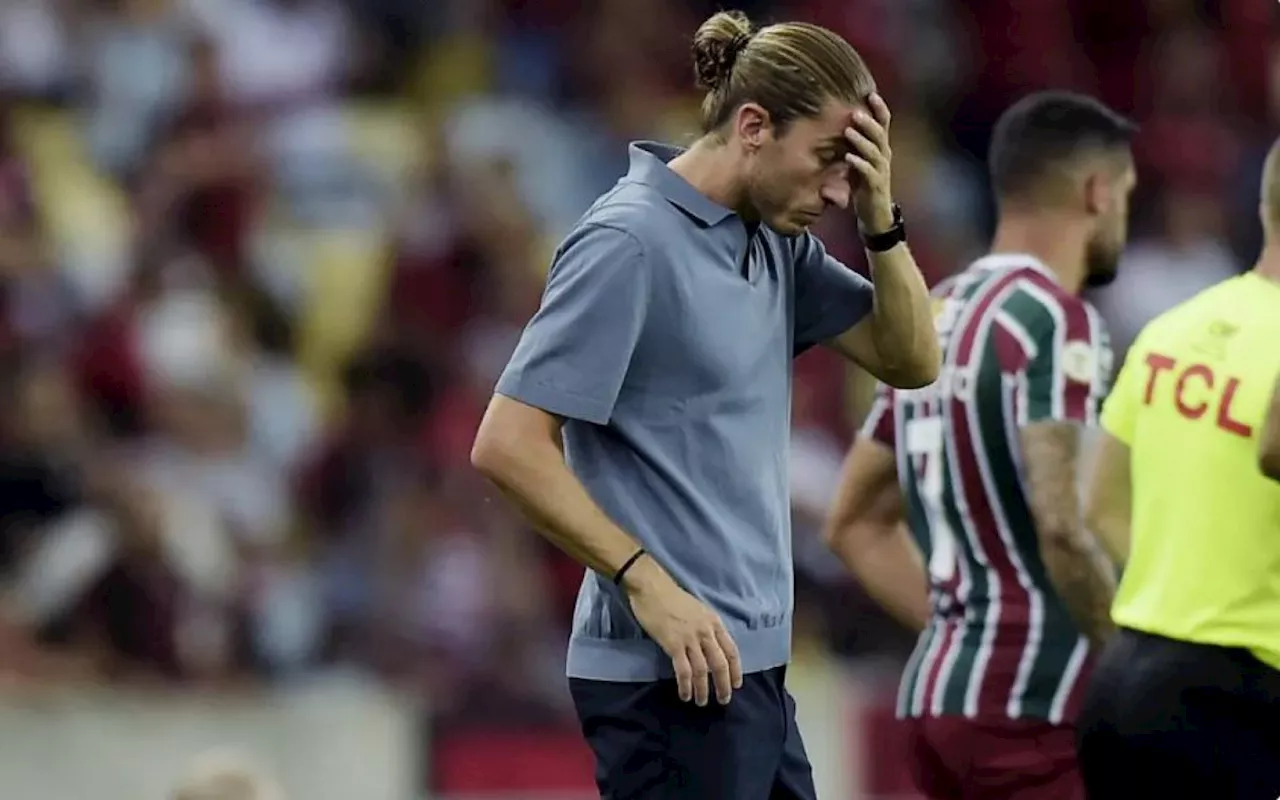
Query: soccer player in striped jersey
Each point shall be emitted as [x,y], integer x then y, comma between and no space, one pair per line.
[993,564]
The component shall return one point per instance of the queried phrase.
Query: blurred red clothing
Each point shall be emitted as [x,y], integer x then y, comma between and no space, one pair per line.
[107,366]
[867,26]
[217,215]
[430,294]
[1196,150]
[451,427]
[1248,28]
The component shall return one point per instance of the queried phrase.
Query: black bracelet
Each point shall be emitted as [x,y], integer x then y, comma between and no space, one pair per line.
[626,565]
[886,240]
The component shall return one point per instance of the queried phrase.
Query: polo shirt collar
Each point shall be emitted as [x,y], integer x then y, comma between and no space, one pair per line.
[649,167]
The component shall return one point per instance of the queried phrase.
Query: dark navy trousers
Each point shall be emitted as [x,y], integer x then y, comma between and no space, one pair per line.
[651,746]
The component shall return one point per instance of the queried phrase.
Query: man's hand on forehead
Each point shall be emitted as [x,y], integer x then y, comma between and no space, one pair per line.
[870,157]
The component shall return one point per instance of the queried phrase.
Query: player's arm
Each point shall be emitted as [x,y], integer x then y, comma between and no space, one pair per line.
[1063,389]
[1109,501]
[866,530]
[1077,566]
[865,524]
[1269,443]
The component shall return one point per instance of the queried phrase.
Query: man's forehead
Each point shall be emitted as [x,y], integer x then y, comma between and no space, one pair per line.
[830,122]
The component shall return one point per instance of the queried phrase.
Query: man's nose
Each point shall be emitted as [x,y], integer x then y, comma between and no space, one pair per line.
[837,193]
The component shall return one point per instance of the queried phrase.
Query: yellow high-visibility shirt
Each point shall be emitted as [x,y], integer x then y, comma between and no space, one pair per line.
[1190,401]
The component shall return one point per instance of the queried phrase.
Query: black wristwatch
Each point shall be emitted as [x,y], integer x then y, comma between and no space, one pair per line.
[887,240]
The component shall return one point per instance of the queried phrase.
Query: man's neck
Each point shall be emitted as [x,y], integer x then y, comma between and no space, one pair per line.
[1047,238]
[708,166]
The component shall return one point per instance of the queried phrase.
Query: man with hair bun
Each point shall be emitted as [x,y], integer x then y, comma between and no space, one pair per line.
[643,422]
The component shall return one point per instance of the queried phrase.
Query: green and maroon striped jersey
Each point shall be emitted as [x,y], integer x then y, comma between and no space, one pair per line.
[1017,349]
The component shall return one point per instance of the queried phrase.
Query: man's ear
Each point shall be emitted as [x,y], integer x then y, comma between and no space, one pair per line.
[753,126]
[1097,194]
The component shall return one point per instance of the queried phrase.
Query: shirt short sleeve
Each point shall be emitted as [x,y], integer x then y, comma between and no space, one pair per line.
[830,297]
[1066,375]
[1120,411]
[573,356]
[880,422]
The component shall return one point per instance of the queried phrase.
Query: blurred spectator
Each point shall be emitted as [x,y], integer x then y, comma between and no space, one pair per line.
[282,53]
[283,63]
[283,411]
[37,305]
[1187,136]
[35,59]
[137,74]
[514,258]
[52,544]
[434,269]
[552,170]
[351,485]
[457,609]
[201,181]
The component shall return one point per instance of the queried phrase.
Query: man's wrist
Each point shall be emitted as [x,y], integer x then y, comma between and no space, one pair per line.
[884,239]
[643,576]
[881,220]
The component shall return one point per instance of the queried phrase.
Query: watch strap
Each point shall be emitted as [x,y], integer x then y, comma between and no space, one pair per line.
[889,239]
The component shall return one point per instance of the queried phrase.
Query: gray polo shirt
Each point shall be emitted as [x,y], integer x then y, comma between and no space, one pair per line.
[665,339]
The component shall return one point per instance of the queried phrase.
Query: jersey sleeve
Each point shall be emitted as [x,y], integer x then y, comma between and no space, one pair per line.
[880,422]
[1120,411]
[1067,370]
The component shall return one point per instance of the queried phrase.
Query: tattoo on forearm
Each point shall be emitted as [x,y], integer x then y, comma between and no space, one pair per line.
[1079,570]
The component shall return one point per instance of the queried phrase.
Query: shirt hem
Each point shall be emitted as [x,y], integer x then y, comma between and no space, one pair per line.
[642,661]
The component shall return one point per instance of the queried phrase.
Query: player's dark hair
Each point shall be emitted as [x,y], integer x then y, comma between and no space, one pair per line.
[790,69]
[1042,130]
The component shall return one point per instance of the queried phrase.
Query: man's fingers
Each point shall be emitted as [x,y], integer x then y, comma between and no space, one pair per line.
[870,175]
[730,650]
[873,130]
[719,664]
[863,146]
[701,673]
[684,674]
[880,110]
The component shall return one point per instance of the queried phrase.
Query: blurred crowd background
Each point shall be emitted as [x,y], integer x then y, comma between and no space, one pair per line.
[261,262]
